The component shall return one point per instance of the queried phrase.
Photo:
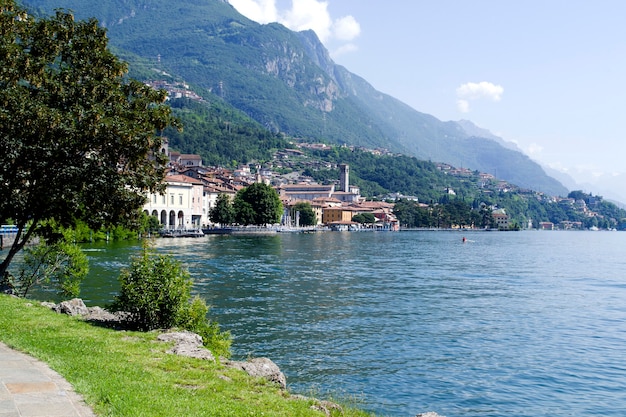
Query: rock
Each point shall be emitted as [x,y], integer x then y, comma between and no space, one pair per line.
[327,407]
[104,317]
[181,337]
[73,307]
[96,315]
[429,414]
[261,367]
[187,344]
[192,352]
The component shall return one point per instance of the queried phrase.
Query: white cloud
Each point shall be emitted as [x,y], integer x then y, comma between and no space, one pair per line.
[477,91]
[309,14]
[346,28]
[303,15]
[262,11]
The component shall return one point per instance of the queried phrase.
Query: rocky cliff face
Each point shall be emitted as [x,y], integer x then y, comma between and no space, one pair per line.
[299,69]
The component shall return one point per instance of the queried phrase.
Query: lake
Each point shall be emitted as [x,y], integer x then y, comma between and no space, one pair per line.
[505,324]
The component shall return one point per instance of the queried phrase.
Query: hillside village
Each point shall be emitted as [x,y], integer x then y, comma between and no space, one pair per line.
[192,190]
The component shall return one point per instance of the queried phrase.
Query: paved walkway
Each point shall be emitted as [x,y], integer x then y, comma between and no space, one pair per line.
[29,388]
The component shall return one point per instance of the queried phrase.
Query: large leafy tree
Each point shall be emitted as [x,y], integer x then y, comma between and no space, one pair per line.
[306,213]
[257,204]
[223,212]
[79,141]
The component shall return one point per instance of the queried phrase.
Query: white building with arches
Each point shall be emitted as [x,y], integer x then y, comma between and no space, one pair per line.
[180,207]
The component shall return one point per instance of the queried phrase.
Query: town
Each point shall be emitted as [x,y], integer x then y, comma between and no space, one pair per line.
[192,191]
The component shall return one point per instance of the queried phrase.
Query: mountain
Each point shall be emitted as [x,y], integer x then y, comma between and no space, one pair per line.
[287,82]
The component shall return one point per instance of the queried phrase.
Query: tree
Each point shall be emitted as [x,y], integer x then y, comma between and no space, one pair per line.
[307,215]
[61,265]
[257,204]
[76,135]
[364,218]
[223,212]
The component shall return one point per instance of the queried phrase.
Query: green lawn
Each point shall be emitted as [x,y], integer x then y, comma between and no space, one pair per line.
[121,373]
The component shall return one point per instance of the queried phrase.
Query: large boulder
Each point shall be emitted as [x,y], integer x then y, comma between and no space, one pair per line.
[261,367]
[96,315]
[187,344]
[73,307]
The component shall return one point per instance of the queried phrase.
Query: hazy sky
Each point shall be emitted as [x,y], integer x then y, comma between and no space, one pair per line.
[548,75]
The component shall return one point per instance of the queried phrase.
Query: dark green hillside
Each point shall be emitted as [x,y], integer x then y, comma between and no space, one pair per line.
[220,134]
[378,175]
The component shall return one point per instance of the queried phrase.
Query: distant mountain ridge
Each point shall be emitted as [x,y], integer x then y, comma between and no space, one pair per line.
[288,83]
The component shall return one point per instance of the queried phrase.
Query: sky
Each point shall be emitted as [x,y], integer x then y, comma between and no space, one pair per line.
[549,76]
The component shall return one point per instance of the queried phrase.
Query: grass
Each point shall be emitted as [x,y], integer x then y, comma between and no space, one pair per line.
[121,373]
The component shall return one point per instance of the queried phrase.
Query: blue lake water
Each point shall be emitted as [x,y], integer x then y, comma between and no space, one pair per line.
[506,324]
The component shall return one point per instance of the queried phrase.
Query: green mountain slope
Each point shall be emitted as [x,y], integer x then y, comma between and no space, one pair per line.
[287,82]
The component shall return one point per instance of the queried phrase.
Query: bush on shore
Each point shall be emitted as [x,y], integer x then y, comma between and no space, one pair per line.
[156,293]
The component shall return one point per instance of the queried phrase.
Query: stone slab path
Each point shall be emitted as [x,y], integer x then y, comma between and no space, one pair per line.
[29,388]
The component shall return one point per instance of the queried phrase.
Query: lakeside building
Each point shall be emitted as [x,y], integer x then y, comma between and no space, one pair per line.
[180,207]
[546,226]
[310,192]
[500,218]
[342,214]
[210,194]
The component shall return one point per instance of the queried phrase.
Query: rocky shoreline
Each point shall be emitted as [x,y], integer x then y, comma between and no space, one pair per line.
[189,344]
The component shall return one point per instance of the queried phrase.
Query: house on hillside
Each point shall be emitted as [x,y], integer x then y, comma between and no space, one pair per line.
[500,218]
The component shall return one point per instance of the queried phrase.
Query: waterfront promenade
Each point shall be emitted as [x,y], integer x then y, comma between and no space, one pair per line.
[29,388]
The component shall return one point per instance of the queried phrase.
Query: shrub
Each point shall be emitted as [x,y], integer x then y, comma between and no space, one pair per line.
[156,291]
[194,319]
[153,291]
[61,265]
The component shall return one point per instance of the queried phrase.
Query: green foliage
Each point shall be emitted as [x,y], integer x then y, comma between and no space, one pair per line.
[307,215]
[257,204]
[451,213]
[81,232]
[578,195]
[76,133]
[221,134]
[156,291]
[379,175]
[151,224]
[364,218]
[194,319]
[223,213]
[61,265]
